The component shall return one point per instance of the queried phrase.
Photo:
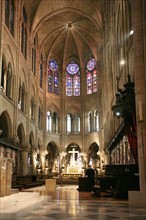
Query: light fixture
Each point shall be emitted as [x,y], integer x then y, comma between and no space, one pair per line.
[118,114]
[131,32]
[122,62]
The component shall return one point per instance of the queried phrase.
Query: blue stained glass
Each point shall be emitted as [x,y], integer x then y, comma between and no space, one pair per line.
[72,68]
[56,83]
[68,86]
[53,65]
[53,77]
[91,64]
[91,76]
[72,80]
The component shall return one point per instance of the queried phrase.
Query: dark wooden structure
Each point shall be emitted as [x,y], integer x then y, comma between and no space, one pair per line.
[25,182]
[119,179]
[84,185]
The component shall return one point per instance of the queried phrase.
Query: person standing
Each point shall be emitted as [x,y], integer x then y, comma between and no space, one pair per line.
[90,173]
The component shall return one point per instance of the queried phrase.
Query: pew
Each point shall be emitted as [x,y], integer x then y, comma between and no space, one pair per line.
[25,182]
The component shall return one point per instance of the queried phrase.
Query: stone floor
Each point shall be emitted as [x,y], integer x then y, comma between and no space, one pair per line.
[65,203]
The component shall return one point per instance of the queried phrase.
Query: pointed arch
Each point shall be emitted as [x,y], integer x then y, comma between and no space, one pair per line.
[21,134]
[91,76]
[72,79]
[5,125]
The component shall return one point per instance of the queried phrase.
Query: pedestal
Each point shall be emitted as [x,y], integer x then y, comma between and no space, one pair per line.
[50,184]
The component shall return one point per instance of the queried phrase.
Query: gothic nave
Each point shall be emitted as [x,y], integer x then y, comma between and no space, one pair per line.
[73,94]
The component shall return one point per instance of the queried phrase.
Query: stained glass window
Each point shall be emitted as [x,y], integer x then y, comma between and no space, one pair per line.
[72,80]
[39,118]
[52,122]
[53,77]
[34,49]
[69,85]
[55,122]
[91,76]
[49,122]
[32,108]
[96,120]
[12,17]
[89,122]
[41,71]
[7,2]
[9,15]
[76,124]
[68,123]
[21,97]
[24,33]
[9,81]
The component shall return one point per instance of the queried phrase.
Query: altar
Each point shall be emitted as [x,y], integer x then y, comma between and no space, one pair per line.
[71,175]
[67,178]
[74,167]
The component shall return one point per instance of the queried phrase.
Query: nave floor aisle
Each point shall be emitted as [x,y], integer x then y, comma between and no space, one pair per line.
[66,203]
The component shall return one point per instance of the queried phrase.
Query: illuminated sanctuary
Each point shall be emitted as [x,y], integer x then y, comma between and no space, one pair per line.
[72,92]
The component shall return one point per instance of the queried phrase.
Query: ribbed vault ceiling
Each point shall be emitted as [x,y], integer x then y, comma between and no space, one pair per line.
[67,29]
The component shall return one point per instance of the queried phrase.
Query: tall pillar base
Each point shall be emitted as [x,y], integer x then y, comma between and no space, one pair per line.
[137,198]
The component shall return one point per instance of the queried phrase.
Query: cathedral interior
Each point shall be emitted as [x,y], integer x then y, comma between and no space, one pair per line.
[73,91]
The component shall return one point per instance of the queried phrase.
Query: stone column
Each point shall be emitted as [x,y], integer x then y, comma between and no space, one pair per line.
[42,160]
[24,155]
[8,176]
[3,163]
[139,39]
[34,161]
[1,31]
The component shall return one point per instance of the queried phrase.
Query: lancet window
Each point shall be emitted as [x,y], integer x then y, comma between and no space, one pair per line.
[6,78]
[34,55]
[9,15]
[24,33]
[41,70]
[72,124]
[53,77]
[91,76]
[52,122]
[72,79]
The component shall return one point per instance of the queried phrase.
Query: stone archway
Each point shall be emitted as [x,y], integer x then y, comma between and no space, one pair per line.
[74,159]
[40,159]
[72,150]
[51,158]
[31,155]
[93,157]
[5,126]
[21,135]
[6,154]
[20,159]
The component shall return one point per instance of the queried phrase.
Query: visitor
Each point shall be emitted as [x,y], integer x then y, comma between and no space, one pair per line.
[90,173]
